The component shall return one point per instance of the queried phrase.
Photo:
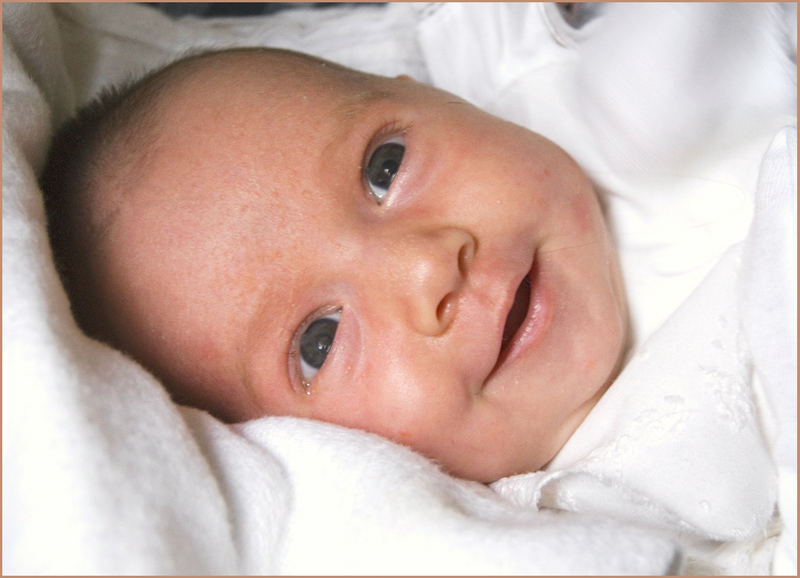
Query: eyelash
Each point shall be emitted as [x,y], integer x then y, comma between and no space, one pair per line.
[387,131]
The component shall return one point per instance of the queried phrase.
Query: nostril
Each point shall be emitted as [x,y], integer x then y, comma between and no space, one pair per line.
[465,255]
[438,265]
[444,311]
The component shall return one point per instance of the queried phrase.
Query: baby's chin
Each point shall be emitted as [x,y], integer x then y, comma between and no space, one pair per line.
[544,446]
[487,473]
[499,460]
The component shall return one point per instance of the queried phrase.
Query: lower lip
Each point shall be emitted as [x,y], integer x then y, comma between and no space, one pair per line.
[533,328]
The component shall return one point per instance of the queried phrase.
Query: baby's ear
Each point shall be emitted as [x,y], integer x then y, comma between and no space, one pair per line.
[405,77]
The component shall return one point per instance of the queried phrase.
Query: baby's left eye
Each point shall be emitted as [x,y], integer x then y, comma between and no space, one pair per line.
[315,344]
[383,165]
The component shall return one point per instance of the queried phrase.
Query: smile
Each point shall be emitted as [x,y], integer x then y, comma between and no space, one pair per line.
[527,319]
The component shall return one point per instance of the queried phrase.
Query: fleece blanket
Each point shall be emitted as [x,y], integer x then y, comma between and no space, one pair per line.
[104,474]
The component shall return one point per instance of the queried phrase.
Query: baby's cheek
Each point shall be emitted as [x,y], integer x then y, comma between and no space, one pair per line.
[208,351]
[586,216]
[404,436]
[408,399]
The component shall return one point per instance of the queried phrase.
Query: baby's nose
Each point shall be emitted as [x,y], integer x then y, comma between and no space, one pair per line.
[428,270]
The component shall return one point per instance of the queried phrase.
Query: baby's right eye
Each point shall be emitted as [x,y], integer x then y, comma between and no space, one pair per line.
[314,344]
[382,167]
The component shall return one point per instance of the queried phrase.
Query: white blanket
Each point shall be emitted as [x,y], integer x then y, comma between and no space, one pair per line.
[102,473]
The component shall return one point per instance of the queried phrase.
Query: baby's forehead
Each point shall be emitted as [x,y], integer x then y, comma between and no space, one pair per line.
[240,85]
[281,70]
[284,97]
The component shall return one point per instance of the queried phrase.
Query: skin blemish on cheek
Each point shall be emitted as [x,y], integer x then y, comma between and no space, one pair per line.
[583,214]
[209,351]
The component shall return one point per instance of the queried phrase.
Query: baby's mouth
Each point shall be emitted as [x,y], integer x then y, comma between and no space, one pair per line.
[517,313]
[528,319]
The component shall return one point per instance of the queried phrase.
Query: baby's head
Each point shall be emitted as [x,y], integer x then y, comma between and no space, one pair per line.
[272,234]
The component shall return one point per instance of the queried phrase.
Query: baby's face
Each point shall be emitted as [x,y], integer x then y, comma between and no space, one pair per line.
[370,252]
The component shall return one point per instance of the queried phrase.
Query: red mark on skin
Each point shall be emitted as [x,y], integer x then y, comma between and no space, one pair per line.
[584,215]
[209,351]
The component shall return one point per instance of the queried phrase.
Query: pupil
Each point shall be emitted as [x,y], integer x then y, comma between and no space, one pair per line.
[316,342]
[388,171]
[384,164]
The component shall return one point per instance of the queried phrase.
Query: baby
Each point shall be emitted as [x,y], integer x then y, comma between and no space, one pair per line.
[273,234]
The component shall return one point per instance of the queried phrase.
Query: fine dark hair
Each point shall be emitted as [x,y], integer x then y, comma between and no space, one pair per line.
[95,154]
[99,145]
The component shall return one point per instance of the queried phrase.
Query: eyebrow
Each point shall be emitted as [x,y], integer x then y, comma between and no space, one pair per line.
[354,104]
